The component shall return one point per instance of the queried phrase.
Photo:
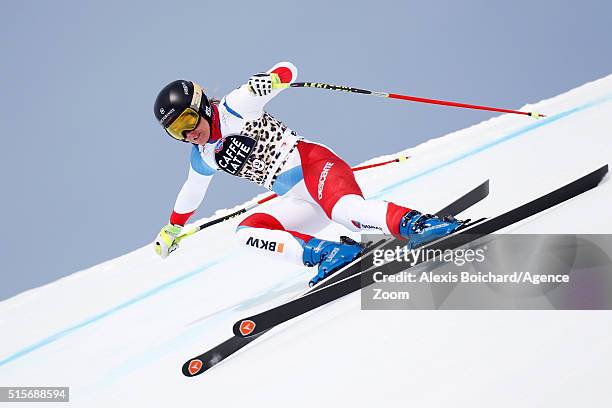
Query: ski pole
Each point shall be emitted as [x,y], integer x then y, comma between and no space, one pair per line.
[270,197]
[404,97]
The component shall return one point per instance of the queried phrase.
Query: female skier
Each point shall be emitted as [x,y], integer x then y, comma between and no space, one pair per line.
[316,187]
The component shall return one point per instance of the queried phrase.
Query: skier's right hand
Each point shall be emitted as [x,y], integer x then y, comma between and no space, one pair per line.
[166,242]
[262,84]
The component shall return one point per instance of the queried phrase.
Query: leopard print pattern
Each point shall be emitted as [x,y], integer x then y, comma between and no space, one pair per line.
[268,132]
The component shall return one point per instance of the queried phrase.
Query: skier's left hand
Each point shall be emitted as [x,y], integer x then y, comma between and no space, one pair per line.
[263,83]
[166,242]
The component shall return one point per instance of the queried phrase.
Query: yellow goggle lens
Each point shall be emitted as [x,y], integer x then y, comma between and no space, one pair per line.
[187,120]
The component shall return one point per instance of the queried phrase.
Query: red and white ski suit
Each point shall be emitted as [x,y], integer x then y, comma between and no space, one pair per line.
[316,187]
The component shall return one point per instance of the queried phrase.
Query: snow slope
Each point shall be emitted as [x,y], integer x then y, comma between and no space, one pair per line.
[117,333]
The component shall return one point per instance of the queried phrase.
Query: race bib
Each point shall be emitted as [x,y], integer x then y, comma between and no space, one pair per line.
[233,151]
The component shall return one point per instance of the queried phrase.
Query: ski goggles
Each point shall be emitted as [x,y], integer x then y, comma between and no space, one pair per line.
[189,118]
[186,121]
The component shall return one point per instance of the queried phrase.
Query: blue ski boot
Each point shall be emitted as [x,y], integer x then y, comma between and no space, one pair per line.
[330,256]
[420,229]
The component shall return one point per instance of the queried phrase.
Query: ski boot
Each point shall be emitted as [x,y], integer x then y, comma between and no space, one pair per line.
[330,256]
[420,229]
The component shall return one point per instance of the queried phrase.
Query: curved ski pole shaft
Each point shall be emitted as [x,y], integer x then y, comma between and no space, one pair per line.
[405,97]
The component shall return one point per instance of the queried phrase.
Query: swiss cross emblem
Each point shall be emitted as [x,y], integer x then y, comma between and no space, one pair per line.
[247,327]
[195,366]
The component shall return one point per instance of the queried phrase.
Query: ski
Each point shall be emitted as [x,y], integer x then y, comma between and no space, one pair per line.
[456,207]
[268,319]
[210,358]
